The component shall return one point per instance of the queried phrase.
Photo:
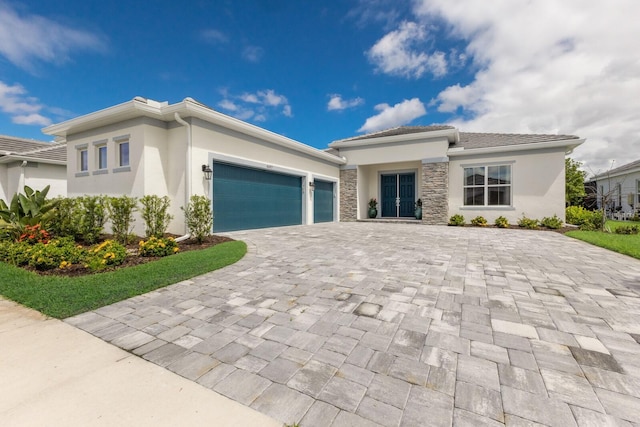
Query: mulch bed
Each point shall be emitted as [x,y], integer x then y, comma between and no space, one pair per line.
[133,259]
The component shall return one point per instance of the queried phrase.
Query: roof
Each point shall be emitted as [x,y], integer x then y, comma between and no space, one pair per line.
[142,107]
[15,149]
[462,141]
[620,170]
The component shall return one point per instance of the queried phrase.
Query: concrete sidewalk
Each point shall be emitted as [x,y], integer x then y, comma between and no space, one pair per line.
[56,375]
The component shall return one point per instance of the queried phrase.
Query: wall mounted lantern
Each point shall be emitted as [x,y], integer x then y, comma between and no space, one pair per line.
[312,185]
[206,170]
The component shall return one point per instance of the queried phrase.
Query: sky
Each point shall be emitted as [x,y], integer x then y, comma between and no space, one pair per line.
[319,71]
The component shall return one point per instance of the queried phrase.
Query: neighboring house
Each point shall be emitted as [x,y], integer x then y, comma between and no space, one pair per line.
[618,188]
[33,163]
[262,179]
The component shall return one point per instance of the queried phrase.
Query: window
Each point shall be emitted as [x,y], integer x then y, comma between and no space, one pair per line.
[637,192]
[619,194]
[84,160]
[487,186]
[102,156]
[123,154]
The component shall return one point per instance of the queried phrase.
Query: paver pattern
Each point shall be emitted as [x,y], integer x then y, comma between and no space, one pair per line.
[361,324]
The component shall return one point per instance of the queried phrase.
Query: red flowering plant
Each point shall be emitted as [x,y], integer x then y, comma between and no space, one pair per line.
[33,234]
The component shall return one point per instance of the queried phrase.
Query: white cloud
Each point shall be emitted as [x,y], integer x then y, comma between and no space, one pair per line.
[548,67]
[258,106]
[401,52]
[253,53]
[23,109]
[337,103]
[214,36]
[26,39]
[400,114]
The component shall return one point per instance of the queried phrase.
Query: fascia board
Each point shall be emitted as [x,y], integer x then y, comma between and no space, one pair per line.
[18,158]
[568,144]
[604,176]
[192,109]
[450,134]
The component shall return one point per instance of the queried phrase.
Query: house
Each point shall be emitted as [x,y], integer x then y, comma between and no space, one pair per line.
[256,178]
[33,163]
[618,189]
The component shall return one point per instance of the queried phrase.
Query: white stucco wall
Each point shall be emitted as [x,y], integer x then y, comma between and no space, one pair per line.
[36,175]
[398,151]
[620,190]
[538,185]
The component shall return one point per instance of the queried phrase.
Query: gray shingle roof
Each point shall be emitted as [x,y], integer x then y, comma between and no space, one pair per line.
[620,169]
[401,130]
[470,140]
[33,149]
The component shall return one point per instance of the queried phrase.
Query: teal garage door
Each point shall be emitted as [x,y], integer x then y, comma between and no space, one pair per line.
[323,201]
[246,198]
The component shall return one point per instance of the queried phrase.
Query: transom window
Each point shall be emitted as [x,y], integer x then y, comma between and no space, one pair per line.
[487,186]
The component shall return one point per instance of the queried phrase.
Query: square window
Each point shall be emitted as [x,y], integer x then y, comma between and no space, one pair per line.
[123,154]
[487,186]
[102,157]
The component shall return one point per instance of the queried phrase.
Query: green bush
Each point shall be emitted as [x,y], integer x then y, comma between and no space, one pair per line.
[92,216]
[159,247]
[107,254]
[501,222]
[16,253]
[154,214]
[456,220]
[30,208]
[121,211]
[551,222]
[198,217]
[529,223]
[66,218]
[585,219]
[58,253]
[479,221]
[627,229]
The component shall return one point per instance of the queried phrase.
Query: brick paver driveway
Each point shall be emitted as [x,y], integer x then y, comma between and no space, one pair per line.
[360,323]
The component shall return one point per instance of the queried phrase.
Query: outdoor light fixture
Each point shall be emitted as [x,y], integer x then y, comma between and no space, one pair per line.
[206,170]
[312,185]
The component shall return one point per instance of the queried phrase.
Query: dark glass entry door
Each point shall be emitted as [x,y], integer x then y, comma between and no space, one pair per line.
[397,194]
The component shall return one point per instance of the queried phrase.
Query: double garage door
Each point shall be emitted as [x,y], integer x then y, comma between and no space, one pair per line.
[246,198]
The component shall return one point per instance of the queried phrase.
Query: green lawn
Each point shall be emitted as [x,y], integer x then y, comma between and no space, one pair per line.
[62,297]
[624,244]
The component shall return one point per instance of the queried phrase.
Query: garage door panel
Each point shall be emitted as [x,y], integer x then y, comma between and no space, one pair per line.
[323,201]
[245,198]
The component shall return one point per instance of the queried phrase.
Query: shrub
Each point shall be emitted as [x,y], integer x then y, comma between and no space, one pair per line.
[121,213]
[456,220]
[501,222]
[33,234]
[635,218]
[60,252]
[30,208]
[15,253]
[154,214]
[159,247]
[585,219]
[479,221]
[628,229]
[93,215]
[198,217]
[66,218]
[551,222]
[529,223]
[106,254]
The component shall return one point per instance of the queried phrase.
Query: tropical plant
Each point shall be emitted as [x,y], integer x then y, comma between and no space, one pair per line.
[373,203]
[154,214]
[121,214]
[198,217]
[529,223]
[585,219]
[479,221]
[501,222]
[30,208]
[456,220]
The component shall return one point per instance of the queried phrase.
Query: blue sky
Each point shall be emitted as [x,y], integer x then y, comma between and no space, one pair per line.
[321,71]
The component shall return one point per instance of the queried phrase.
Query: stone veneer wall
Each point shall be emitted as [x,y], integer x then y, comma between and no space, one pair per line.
[435,193]
[348,195]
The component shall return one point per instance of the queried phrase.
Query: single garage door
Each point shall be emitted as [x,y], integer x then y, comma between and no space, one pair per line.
[245,198]
[322,201]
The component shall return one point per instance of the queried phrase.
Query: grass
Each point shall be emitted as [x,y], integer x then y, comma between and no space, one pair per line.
[624,244]
[62,297]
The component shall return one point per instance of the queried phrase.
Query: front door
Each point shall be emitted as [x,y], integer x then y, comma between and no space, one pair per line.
[397,194]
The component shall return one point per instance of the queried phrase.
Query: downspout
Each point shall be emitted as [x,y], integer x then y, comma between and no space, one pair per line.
[187,174]
[21,179]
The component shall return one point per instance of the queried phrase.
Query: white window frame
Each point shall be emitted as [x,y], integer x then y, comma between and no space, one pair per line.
[486,186]
[119,142]
[82,150]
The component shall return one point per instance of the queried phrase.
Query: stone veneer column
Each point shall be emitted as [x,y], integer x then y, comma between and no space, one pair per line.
[349,194]
[435,193]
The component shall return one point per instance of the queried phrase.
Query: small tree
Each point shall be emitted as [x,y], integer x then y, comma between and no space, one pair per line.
[92,216]
[574,182]
[154,214]
[121,211]
[199,217]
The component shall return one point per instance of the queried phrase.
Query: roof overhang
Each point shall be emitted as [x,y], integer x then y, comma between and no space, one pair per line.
[568,144]
[141,107]
[451,135]
[10,158]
